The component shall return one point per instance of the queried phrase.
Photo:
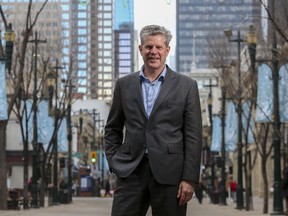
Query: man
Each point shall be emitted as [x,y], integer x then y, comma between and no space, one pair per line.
[157,160]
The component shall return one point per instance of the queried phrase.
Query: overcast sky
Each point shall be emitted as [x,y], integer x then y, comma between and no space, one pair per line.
[160,12]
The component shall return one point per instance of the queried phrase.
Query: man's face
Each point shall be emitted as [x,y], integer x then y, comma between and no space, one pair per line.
[154,52]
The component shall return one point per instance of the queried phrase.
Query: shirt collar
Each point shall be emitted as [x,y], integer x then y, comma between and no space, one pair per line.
[160,78]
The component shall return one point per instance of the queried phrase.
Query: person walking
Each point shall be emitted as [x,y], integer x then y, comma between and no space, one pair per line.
[153,134]
[233,187]
[199,189]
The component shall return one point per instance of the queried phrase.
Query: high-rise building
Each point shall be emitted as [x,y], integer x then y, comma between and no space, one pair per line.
[94,43]
[101,48]
[91,45]
[200,23]
[124,56]
[47,29]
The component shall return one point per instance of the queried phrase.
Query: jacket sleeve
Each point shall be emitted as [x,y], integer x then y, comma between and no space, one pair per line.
[192,135]
[113,137]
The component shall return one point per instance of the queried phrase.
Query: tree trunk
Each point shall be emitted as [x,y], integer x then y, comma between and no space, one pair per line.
[3,167]
[42,192]
[43,183]
[25,170]
[247,194]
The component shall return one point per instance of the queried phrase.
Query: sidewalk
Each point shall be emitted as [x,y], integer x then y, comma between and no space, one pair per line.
[92,206]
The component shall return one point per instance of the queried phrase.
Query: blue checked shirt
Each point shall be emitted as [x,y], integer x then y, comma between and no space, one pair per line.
[150,90]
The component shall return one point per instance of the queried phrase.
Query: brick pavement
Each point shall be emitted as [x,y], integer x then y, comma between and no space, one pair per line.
[101,207]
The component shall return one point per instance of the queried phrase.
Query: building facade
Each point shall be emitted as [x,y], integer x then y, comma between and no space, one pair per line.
[200,24]
[124,57]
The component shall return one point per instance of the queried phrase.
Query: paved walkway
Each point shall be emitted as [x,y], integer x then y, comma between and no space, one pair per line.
[101,207]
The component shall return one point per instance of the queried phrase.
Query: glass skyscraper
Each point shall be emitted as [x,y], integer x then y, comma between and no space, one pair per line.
[200,24]
[95,41]
[124,58]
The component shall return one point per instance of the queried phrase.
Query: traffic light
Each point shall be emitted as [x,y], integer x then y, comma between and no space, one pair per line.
[93,157]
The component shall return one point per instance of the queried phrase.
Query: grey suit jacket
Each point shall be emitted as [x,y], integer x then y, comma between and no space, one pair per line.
[172,134]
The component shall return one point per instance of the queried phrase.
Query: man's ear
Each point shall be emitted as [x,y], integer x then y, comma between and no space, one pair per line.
[140,47]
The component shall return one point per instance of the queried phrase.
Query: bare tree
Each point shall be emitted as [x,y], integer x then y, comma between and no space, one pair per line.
[29,24]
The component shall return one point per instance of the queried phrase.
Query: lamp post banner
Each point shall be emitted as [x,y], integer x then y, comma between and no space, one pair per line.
[62,136]
[231,126]
[3,101]
[247,128]
[265,94]
[216,134]
[264,107]
[45,126]
[283,93]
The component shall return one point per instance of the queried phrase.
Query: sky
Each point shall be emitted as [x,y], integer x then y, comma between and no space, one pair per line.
[160,12]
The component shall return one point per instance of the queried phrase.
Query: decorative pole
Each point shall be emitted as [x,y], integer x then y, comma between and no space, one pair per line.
[35,144]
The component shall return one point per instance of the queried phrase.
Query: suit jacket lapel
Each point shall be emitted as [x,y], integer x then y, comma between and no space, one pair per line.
[165,89]
[138,92]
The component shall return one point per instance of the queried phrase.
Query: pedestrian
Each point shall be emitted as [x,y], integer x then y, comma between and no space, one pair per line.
[74,187]
[199,189]
[157,160]
[285,185]
[233,187]
[107,185]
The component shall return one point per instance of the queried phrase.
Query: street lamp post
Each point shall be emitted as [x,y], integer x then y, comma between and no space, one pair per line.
[4,57]
[210,104]
[252,45]
[69,137]
[223,150]
[277,195]
[55,138]
[34,186]
[210,101]
[239,189]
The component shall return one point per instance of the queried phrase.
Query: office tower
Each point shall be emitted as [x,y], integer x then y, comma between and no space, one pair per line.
[200,24]
[48,27]
[100,49]
[91,45]
[124,53]
[84,46]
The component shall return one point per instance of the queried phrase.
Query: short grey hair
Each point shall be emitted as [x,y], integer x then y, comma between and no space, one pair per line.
[152,30]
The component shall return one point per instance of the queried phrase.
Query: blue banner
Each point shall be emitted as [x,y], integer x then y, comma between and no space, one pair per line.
[231,126]
[283,93]
[45,126]
[247,128]
[62,136]
[216,134]
[3,99]
[264,107]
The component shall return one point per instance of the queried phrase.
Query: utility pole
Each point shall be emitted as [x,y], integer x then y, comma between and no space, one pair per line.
[35,166]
